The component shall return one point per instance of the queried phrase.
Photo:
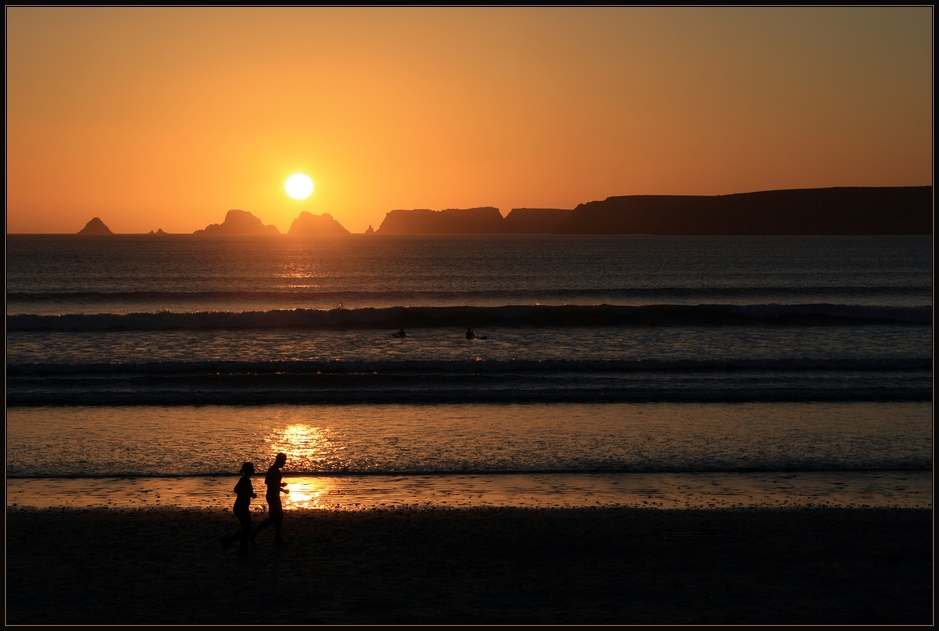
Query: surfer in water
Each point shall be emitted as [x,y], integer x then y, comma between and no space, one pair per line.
[469,334]
[400,333]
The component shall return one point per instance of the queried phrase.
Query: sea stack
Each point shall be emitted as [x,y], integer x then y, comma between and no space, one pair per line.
[238,222]
[318,225]
[95,227]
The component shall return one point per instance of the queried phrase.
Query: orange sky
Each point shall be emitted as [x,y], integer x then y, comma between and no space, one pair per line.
[168,117]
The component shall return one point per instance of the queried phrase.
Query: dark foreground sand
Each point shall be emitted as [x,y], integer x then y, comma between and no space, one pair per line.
[624,566]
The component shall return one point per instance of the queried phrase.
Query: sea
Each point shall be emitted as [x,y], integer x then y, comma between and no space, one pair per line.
[461,372]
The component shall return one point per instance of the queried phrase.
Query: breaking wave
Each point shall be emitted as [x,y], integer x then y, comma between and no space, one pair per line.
[462,316]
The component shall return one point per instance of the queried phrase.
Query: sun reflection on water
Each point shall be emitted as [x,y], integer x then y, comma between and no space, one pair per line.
[308,449]
[307,493]
[306,446]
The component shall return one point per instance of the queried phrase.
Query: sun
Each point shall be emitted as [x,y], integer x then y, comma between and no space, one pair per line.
[299,186]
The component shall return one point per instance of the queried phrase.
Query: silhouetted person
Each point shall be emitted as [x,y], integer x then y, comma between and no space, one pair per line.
[244,492]
[275,510]
[400,333]
[469,334]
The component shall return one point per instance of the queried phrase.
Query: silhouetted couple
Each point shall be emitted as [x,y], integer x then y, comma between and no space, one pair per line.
[244,492]
[275,509]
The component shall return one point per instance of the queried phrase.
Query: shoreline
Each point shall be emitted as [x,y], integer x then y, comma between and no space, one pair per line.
[480,565]
[756,490]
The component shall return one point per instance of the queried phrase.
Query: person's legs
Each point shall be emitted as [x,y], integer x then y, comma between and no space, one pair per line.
[264,524]
[243,533]
[277,517]
[275,514]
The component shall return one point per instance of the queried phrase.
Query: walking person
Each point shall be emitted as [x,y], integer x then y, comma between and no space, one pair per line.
[275,510]
[244,492]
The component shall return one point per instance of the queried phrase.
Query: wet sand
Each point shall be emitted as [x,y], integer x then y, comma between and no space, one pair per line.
[487,565]
[857,489]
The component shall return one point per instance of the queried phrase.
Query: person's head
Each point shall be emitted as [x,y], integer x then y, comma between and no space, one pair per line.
[247,468]
[280,460]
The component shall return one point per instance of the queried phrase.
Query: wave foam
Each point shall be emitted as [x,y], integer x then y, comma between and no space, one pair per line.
[505,316]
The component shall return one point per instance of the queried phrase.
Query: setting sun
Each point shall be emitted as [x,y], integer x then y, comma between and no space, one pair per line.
[299,186]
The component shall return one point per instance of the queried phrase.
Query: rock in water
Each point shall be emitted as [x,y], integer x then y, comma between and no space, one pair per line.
[95,226]
[238,222]
[319,225]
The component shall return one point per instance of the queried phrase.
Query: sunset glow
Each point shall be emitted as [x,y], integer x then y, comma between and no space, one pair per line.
[168,117]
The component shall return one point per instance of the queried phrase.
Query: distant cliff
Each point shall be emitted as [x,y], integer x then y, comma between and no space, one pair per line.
[238,222]
[95,227]
[320,225]
[534,220]
[486,220]
[842,210]
[846,210]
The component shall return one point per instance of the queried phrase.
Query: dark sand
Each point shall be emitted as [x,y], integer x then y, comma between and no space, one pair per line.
[625,566]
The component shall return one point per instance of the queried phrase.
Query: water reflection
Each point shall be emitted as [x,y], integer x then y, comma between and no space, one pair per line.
[308,448]
[307,493]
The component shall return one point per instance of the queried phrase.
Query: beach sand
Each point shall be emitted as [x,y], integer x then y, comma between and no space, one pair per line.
[504,565]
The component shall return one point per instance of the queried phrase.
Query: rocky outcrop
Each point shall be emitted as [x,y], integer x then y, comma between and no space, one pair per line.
[318,225]
[485,220]
[158,232]
[95,227]
[238,222]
